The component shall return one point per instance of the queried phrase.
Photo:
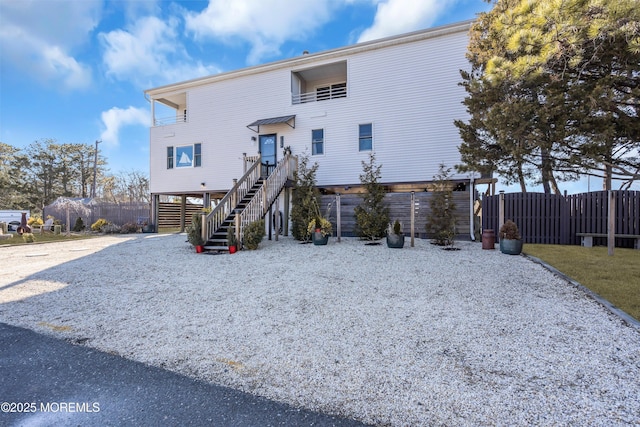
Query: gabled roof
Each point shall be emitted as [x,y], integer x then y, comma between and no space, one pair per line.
[307,59]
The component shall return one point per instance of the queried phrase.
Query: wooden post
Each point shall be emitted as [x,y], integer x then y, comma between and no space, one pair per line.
[611,223]
[277,221]
[338,218]
[500,211]
[238,220]
[203,230]
[183,213]
[234,195]
[244,163]
[412,216]
[285,219]
[270,221]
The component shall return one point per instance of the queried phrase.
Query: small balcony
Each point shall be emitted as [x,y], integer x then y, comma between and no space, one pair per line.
[169,109]
[321,83]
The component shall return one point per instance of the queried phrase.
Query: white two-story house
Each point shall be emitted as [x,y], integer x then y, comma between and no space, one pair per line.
[396,97]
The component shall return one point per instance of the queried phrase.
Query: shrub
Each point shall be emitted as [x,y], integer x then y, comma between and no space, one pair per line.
[305,198]
[127,228]
[395,228]
[441,222]
[28,237]
[372,215]
[99,224]
[34,220]
[509,231]
[322,224]
[111,228]
[79,225]
[194,230]
[253,234]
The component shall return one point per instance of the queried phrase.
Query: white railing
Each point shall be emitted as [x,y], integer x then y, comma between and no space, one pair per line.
[212,222]
[271,187]
[303,98]
[171,120]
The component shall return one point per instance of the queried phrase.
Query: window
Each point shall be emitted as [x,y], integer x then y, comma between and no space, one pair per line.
[197,155]
[169,157]
[317,141]
[365,137]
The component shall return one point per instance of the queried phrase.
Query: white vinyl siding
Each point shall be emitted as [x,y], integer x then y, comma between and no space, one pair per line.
[408,90]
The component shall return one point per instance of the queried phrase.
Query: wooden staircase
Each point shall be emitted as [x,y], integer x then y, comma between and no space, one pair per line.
[249,200]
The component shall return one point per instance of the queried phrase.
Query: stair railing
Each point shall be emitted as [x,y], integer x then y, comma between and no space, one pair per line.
[214,220]
[271,188]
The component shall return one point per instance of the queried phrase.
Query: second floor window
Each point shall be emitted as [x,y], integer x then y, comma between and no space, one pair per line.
[365,137]
[317,141]
[197,155]
[169,157]
[184,156]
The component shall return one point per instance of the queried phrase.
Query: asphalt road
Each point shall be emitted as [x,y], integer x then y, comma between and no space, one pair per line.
[46,381]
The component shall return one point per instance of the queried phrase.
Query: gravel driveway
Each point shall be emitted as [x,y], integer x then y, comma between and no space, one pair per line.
[417,336]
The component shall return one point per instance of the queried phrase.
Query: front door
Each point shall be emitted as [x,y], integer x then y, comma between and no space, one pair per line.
[268,153]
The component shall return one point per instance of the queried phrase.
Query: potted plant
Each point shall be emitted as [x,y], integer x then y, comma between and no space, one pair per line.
[147,228]
[320,229]
[232,242]
[510,240]
[395,236]
[194,232]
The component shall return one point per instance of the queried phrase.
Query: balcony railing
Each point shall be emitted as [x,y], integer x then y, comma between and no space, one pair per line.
[171,120]
[319,95]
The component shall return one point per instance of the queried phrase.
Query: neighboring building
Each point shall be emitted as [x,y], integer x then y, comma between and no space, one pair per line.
[396,97]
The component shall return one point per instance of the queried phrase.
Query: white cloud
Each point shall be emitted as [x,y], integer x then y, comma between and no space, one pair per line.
[150,53]
[402,16]
[265,25]
[116,118]
[36,37]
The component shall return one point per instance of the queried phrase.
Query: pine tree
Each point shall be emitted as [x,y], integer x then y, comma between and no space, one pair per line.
[305,198]
[372,215]
[441,222]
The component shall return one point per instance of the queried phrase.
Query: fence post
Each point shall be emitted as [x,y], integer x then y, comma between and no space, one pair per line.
[338,217]
[238,222]
[611,223]
[412,215]
[500,212]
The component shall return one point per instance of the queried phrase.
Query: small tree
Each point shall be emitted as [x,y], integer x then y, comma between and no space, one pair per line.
[68,205]
[305,198]
[372,215]
[441,222]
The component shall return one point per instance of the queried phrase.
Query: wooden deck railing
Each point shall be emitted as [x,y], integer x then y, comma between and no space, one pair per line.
[229,202]
[259,204]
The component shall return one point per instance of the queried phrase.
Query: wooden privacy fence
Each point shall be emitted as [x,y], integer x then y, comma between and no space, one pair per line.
[399,208]
[115,213]
[555,219]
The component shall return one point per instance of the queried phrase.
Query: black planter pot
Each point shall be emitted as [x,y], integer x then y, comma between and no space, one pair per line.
[511,247]
[395,240]
[149,228]
[319,239]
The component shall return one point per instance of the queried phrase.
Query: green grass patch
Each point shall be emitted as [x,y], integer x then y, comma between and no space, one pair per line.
[44,238]
[615,278]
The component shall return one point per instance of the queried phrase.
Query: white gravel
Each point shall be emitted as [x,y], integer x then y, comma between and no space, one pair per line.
[418,336]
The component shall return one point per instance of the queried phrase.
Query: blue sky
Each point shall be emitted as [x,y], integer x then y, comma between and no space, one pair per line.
[75,70]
